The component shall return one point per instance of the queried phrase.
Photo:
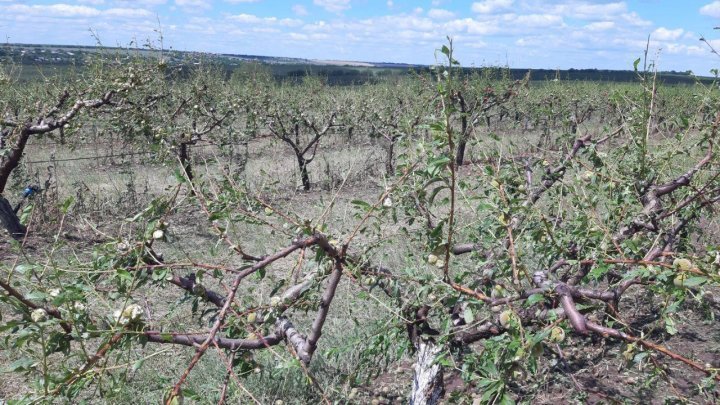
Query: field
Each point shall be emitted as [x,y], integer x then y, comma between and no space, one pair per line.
[448,236]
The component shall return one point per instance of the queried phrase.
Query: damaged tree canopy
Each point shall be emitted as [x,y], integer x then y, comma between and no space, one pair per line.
[473,233]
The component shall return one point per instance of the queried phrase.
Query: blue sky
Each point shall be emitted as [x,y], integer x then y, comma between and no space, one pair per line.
[522,33]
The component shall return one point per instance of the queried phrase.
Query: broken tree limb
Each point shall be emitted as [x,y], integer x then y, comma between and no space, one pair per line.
[428,387]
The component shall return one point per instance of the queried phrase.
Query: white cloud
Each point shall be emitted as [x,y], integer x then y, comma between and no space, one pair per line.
[585,10]
[242,1]
[250,19]
[600,26]
[664,34]
[635,20]
[538,20]
[682,49]
[127,13]
[299,37]
[712,9]
[92,2]
[299,10]
[333,6]
[52,10]
[491,6]
[143,3]
[440,14]
[193,4]
[471,26]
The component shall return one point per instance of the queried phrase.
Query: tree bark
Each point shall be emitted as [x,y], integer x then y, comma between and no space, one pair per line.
[428,386]
[460,155]
[10,220]
[304,176]
[389,166]
[12,159]
[185,160]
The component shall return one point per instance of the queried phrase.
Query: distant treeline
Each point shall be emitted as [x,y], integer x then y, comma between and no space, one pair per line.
[48,58]
[343,75]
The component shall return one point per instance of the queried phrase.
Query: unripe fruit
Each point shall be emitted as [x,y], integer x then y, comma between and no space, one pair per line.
[251,317]
[38,315]
[130,313]
[683,264]
[199,290]
[432,259]
[557,334]
[506,318]
[502,218]
[268,211]
[440,264]
[497,292]
[517,372]
[158,234]
[275,301]
[679,280]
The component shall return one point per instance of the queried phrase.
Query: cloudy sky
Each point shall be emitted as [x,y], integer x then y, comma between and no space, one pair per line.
[521,33]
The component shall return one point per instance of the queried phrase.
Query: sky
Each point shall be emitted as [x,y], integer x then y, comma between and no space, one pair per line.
[551,34]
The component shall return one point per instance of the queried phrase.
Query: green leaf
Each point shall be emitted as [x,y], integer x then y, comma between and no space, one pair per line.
[179,176]
[260,273]
[24,268]
[21,364]
[137,365]
[36,295]
[694,281]
[468,315]
[599,271]
[534,299]
[65,206]
[670,326]
[360,204]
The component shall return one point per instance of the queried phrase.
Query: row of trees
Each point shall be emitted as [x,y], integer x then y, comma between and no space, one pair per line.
[538,244]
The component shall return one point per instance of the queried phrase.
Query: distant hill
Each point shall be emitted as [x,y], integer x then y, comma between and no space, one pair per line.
[57,57]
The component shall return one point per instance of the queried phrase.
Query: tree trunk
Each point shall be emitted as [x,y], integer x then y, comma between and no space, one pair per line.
[428,388]
[185,160]
[460,155]
[389,166]
[12,159]
[10,220]
[304,173]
